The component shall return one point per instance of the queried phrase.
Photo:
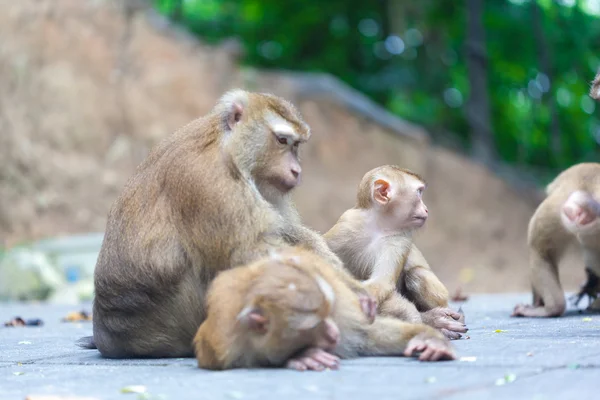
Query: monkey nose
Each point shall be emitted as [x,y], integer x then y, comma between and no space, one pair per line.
[296,172]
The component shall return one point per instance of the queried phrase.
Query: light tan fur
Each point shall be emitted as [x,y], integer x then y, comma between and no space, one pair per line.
[375,241]
[213,195]
[570,213]
[307,317]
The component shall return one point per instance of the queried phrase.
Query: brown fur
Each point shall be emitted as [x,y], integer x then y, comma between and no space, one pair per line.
[374,240]
[284,289]
[213,195]
[549,237]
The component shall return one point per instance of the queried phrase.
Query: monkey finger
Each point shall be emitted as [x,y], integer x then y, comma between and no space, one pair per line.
[313,364]
[453,326]
[295,364]
[414,347]
[455,315]
[326,359]
[451,334]
[427,354]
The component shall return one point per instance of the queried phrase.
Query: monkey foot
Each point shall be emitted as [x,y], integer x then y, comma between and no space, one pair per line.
[314,359]
[528,310]
[429,349]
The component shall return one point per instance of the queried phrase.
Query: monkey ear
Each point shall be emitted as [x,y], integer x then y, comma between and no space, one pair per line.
[234,114]
[381,191]
[254,319]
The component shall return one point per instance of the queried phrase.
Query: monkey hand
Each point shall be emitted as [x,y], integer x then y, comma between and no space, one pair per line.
[450,322]
[429,347]
[314,359]
[368,304]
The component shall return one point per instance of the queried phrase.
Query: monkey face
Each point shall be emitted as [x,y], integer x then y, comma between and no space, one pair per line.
[406,205]
[294,312]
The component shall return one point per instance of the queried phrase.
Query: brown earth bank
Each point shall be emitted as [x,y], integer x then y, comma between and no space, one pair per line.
[87,87]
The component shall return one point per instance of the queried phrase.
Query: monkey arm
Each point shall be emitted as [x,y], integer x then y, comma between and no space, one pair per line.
[547,240]
[420,285]
[395,305]
[546,286]
[390,336]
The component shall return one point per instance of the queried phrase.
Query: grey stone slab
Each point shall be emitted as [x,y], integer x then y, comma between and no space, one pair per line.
[188,382]
[557,384]
[539,352]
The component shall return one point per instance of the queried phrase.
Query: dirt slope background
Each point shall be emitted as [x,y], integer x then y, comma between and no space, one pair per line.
[87,87]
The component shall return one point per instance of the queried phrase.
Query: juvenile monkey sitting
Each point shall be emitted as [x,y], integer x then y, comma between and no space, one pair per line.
[295,309]
[375,241]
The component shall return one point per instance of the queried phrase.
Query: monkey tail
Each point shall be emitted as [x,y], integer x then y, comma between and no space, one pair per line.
[87,342]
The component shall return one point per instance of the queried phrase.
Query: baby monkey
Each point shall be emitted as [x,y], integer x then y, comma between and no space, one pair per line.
[375,241]
[294,309]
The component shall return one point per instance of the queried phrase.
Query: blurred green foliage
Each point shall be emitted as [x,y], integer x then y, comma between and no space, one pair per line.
[410,57]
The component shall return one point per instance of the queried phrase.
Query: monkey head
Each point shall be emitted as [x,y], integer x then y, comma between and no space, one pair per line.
[262,135]
[288,310]
[395,194]
[579,214]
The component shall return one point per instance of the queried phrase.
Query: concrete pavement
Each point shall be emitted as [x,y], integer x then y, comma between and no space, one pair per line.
[526,359]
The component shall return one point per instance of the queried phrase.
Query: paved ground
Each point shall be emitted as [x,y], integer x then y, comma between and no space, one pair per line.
[529,359]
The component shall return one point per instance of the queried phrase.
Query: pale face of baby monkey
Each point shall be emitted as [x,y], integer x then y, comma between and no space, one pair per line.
[399,202]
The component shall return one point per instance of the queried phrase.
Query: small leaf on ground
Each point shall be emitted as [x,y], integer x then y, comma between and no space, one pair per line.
[508,378]
[134,389]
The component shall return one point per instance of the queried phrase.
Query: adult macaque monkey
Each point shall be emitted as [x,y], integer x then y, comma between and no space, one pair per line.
[570,212]
[293,309]
[375,242]
[213,195]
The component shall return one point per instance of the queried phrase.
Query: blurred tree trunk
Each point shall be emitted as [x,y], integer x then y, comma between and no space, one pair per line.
[478,106]
[177,11]
[545,67]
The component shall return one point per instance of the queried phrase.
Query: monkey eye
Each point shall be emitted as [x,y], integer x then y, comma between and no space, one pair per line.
[282,140]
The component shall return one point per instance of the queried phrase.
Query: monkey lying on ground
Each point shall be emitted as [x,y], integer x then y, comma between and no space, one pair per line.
[570,212]
[291,308]
[213,195]
[374,240]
